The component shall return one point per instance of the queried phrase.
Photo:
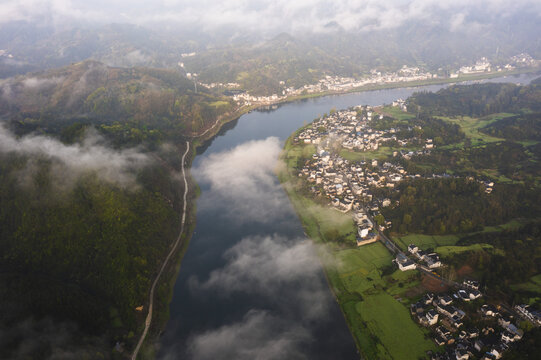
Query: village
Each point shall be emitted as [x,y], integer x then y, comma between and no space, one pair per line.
[461,320]
[340,84]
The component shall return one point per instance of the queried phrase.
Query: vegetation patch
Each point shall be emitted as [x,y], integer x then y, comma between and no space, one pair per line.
[391,324]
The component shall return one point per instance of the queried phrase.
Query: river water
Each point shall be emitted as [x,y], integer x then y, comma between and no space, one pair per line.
[250,285]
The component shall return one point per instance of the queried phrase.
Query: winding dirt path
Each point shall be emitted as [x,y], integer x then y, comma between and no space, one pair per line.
[148,320]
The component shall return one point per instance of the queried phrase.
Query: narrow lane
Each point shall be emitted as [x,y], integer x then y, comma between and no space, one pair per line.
[148,319]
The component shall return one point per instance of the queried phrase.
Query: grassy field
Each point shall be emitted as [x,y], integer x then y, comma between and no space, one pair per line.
[471,127]
[360,269]
[379,322]
[397,335]
[218,103]
[395,112]
[299,151]
[446,251]
[426,241]
[434,241]
[511,225]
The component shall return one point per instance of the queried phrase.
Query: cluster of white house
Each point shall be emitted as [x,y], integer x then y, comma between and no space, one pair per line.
[341,84]
[375,77]
[461,343]
[432,260]
[352,131]
[347,186]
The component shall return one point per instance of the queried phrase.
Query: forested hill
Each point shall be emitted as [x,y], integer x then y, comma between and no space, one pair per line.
[478,99]
[130,105]
[260,68]
[90,199]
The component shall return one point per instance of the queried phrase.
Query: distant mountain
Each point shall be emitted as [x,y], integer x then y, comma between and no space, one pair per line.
[259,65]
[42,47]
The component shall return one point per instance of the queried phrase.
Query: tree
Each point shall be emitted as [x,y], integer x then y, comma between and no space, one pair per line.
[379,219]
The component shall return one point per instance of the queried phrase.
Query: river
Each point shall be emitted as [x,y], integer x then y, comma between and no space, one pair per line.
[250,285]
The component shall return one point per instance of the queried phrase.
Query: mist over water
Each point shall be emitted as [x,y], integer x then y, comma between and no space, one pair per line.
[251,285]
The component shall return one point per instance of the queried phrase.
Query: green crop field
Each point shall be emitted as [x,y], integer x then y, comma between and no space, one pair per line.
[359,269]
[399,337]
[434,241]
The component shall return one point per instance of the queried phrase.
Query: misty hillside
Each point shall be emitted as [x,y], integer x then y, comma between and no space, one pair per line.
[130,105]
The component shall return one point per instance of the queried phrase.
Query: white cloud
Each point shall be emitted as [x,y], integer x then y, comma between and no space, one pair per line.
[271,265]
[70,161]
[40,83]
[257,336]
[243,181]
[263,15]
[266,266]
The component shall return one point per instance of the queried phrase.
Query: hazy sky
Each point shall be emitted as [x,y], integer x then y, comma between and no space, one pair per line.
[272,16]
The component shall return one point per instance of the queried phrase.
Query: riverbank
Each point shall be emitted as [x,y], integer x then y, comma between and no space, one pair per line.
[373,296]
[398,85]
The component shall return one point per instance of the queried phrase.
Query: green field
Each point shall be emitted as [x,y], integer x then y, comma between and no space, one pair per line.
[299,151]
[360,269]
[396,113]
[471,127]
[389,321]
[426,241]
[511,225]
[445,251]
[371,306]
[218,103]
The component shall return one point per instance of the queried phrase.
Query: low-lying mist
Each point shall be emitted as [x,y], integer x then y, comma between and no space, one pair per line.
[71,161]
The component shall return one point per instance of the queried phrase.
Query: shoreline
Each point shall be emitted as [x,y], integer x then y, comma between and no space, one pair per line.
[166,285]
[399,85]
[286,181]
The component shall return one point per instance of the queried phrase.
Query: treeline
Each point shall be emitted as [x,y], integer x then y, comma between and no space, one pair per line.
[457,205]
[516,128]
[520,259]
[477,100]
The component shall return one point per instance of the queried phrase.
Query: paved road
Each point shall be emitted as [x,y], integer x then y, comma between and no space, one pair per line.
[148,320]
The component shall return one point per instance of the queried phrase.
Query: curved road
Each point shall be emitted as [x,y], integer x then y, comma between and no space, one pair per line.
[166,261]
